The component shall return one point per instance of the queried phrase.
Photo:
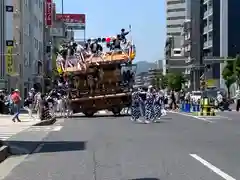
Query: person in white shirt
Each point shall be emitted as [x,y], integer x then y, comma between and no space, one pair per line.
[237,97]
[219,99]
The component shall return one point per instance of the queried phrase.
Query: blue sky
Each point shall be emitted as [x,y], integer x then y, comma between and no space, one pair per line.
[107,17]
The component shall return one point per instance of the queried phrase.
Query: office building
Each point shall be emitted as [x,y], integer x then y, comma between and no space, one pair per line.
[28,39]
[176,13]
[221,33]
[2,43]
[192,42]
[6,42]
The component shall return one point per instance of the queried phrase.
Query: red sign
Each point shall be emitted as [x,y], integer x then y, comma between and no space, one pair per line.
[73,21]
[48,12]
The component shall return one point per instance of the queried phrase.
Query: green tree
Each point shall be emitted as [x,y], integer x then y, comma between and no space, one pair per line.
[175,81]
[229,75]
[159,80]
[164,82]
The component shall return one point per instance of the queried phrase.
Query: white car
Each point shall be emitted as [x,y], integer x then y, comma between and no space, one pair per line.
[196,95]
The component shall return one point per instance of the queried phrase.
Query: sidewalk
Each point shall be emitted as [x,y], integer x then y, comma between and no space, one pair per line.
[9,128]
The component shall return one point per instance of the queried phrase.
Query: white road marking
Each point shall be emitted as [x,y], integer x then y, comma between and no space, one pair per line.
[7,132]
[57,128]
[212,167]
[196,117]
[44,128]
[38,149]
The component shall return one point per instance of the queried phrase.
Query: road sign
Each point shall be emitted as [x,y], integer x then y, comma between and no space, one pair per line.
[9,61]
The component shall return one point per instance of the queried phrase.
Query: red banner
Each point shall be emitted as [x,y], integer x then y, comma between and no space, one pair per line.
[73,21]
[48,12]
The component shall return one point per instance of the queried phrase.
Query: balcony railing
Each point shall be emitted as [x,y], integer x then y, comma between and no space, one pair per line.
[205,30]
[205,14]
[205,1]
[210,27]
[210,42]
[210,10]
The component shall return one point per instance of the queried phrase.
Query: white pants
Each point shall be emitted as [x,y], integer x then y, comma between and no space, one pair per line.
[29,109]
[164,112]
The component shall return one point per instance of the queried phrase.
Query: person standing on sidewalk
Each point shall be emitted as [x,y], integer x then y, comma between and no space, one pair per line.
[30,101]
[37,99]
[16,99]
[237,97]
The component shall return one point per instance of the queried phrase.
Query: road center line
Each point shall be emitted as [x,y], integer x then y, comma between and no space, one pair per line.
[212,167]
[196,117]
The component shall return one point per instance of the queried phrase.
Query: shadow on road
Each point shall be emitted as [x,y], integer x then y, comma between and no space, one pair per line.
[98,115]
[32,147]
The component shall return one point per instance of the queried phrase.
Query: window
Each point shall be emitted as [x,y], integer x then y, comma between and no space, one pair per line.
[175,2]
[41,5]
[36,21]
[176,18]
[174,26]
[177,52]
[26,59]
[174,34]
[41,26]
[35,43]
[26,2]
[176,10]
[29,57]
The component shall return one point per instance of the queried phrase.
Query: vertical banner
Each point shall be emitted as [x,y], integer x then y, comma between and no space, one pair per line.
[9,58]
[48,13]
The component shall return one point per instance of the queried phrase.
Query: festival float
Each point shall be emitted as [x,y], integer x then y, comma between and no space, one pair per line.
[99,80]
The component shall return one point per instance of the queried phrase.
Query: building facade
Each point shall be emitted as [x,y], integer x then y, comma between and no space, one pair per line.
[7,44]
[28,38]
[176,13]
[220,34]
[2,44]
[33,18]
[192,42]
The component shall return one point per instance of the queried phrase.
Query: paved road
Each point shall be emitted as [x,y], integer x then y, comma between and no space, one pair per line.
[8,128]
[107,148]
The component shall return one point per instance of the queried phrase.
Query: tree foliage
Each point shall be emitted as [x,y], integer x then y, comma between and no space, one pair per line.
[175,81]
[159,81]
[229,74]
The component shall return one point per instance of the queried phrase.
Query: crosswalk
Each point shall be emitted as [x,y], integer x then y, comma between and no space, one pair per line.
[7,132]
[44,128]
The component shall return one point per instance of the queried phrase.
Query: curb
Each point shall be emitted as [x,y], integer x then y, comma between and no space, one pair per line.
[4,152]
[46,122]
